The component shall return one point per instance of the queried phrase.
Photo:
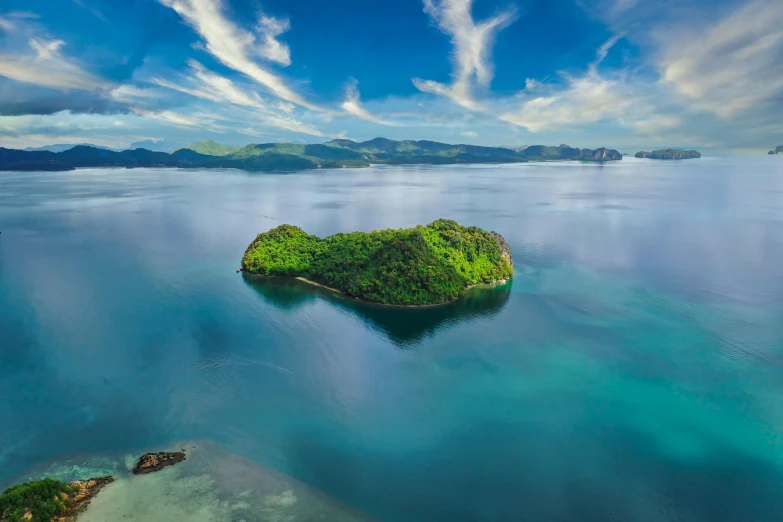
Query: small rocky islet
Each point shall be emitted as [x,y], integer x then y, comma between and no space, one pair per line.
[151,462]
[419,266]
[669,154]
[50,500]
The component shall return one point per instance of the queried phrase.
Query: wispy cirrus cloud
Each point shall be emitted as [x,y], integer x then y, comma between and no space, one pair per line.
[174,118]
[269,28]
[92,10]
[236,47]
[38,76]
[353,106]
[576,101]
[43,63]
[472,42]
[582,100]
[207,85]
[730,66]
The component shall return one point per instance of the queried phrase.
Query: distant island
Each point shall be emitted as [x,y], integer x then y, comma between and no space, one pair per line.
[669,154]
[60,147]
[424,265]
[778,150]
[296,156]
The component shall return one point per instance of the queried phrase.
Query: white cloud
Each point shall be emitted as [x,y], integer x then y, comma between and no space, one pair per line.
[171,118]
[472,42]
[585,99]
[469,134]
[92,10]
[621,6]
[130,93]
[65,127]
[658,124]
[235,46]
[222,88]
[730,66]
[207,85]
[8,22]
[288,124]
[272,49]
[603,52]
[353,106]
[43,64]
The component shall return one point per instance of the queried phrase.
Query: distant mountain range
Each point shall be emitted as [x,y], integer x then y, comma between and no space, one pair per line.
[294,156]
[669,154]
[60,147]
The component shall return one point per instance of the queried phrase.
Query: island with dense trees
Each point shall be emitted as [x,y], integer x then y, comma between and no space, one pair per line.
[423,265]
[49,500]
[778,150]
[669,154]
[338,153]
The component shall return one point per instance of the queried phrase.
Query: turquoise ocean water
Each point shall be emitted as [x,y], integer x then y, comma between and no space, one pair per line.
[632,371]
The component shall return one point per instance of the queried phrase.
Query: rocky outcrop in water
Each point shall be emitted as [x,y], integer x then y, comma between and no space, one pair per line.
[150,462]
[602,154]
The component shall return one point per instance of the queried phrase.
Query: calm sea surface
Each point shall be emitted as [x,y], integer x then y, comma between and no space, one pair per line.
[632,371]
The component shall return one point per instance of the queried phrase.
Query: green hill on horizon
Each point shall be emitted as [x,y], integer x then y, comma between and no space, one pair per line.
[212,148]
[298,156]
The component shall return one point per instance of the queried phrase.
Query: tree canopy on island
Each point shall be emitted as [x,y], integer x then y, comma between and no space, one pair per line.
[423,265]
[41,500]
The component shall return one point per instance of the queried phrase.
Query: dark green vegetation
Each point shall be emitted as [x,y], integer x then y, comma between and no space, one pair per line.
[382,150]
[778,150]
[402,325]
[669,154]
[212,148]
[423,265]
[294,156]
[42,498]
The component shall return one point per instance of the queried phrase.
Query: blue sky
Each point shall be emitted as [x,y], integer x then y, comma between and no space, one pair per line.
[628,74]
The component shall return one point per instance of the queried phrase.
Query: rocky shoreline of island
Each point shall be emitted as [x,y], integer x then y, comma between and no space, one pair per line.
[52,500]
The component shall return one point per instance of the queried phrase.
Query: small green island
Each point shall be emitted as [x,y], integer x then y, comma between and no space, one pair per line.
[423,265]
[48,500]
[777,150]
[669,154]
